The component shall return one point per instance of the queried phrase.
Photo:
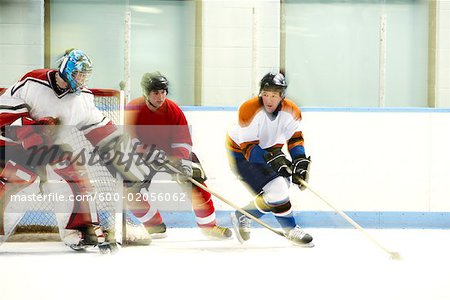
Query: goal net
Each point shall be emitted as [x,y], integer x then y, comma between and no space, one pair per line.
[39,222]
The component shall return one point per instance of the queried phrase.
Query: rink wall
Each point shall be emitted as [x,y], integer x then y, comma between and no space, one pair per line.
[385,167]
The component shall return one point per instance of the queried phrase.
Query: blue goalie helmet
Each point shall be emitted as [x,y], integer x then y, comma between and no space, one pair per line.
[75,69]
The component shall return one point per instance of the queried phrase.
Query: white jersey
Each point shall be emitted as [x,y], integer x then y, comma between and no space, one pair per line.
[36,92]
[257,127]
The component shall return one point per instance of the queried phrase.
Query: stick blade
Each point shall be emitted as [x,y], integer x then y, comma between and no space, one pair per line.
[395,256]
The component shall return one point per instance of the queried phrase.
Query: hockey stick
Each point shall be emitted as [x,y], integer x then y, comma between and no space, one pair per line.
[223,199]
[392,254]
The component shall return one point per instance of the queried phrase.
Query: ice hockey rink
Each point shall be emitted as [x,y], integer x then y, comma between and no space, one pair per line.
[372,79]
[344,264]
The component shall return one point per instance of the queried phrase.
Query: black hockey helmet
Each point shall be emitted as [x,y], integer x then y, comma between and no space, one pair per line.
[273,81]
[154,81]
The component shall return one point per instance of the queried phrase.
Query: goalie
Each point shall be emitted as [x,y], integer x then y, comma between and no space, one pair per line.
[59,97]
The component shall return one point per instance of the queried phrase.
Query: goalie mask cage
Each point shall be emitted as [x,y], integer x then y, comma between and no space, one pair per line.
[39,221]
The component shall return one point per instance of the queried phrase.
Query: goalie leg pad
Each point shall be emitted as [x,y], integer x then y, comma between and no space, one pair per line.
[84,212]
[13,179]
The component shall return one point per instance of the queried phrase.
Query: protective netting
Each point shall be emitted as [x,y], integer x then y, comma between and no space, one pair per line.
[40,217]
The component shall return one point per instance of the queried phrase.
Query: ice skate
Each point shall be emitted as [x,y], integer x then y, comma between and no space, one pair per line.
[80,240]
[157,231]
[241,226]
[109,244]
[217,232]
[300,238]
[108,247]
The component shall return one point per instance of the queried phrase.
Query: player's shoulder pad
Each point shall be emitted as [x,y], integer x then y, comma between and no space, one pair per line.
[291,108]
[248,110]
[87,91]
[171,104]
[175,113]
[40,74]
[135,104]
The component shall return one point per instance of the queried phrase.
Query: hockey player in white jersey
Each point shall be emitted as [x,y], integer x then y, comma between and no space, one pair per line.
[266,123]
[59,97]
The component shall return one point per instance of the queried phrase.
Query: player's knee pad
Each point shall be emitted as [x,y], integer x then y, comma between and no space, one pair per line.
[278,209]
[275,197]
[276,191]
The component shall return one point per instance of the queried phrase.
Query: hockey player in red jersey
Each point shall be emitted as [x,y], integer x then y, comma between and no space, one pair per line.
[162,122]
[255,144]
[60,97]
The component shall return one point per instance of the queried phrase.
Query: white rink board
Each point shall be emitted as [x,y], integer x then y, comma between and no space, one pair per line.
[361,161]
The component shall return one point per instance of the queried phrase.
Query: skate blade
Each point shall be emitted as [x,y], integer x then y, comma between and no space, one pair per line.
[80,248]
[158,236]
[217,238]
[138,242]
[111,248]
[309,245]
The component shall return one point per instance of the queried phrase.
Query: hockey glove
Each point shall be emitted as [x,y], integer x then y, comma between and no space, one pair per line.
[300,170]
[278,162]
[33,135]
[198,173]
[185,168]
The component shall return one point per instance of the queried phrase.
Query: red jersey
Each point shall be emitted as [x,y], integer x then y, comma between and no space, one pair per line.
[166,128]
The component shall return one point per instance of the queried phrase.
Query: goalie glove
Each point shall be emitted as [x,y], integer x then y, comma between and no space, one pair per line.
[278,162]
[300,170]
[31,134]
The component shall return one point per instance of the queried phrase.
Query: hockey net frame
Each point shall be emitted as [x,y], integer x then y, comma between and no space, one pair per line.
[39,222]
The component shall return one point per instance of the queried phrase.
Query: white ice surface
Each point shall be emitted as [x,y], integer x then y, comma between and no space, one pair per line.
[343,265]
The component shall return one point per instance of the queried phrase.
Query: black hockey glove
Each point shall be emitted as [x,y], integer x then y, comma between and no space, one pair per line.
[300,170]
[198,173]
[278,162]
